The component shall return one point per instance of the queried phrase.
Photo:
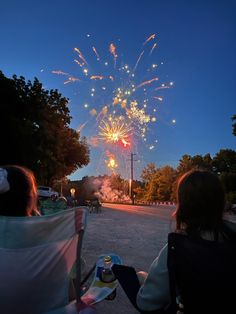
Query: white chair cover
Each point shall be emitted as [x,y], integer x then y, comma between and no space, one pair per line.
[36,256]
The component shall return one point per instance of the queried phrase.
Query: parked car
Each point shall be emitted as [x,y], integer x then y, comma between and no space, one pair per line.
[46,191]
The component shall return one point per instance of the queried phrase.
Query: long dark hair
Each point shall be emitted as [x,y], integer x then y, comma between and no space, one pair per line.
[21,197]
[200,201]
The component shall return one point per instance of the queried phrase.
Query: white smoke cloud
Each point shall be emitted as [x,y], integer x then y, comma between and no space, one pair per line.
[107,193]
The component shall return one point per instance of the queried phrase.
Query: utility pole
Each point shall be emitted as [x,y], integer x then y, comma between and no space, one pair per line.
[132,177]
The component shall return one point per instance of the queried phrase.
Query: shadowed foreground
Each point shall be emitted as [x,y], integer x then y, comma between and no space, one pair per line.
[135,236]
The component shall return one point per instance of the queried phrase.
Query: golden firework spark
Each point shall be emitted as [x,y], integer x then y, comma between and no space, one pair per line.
[139,115]
[114,130]
[96,77]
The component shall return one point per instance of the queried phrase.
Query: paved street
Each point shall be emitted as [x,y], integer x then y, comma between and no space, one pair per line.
[135,233]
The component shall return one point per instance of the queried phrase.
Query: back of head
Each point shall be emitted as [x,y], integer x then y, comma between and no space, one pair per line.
[200,199]
[18,191]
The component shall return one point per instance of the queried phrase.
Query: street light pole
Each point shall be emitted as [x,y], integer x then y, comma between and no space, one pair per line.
[132,177]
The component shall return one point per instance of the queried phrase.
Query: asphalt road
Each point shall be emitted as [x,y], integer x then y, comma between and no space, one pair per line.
[135,233]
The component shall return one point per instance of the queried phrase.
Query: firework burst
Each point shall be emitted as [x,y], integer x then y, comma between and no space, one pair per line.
[122,100]
[114,130]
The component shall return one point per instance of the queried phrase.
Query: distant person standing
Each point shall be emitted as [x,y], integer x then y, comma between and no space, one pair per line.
[18,191]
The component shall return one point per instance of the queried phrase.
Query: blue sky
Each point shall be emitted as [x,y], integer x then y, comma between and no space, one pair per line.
[195,41]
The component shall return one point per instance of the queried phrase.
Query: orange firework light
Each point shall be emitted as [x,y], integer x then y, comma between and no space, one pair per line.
[111,162]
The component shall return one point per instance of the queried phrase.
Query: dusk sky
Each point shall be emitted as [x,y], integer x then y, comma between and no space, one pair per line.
[192,57]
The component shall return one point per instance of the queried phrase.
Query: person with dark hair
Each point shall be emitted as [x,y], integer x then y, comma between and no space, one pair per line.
[199,214]
[18,191]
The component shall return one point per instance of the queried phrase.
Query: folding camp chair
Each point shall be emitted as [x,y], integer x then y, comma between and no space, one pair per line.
[202,274]
[36,257]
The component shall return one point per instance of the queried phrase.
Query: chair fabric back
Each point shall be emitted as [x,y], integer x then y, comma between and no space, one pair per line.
[36,256]
[202,273]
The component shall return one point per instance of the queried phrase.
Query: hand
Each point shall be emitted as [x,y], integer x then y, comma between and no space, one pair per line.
[142,275]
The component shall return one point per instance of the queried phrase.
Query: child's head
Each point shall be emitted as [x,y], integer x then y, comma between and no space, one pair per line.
[200,201]
[18,191]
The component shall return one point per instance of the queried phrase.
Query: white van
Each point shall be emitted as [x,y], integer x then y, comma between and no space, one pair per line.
[46,191]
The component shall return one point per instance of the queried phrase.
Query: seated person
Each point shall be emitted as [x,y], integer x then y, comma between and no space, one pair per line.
[18,195]
[200,209]
[18,192]
[199,216]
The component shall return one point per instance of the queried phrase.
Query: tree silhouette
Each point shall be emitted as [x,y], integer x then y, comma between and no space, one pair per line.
[35,131]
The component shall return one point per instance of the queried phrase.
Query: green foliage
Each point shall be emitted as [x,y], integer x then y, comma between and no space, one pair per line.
[139,193]
[185,164]
[148,172]
[34,128]
[166,177]
[159,186]
[225,161]
[116,182]
[188,162]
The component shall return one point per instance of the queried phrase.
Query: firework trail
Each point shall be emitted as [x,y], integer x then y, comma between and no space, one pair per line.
[79,63]
[96,53]
[71,79]
[147,82]
[59,72]
[80,128]
[158,98]
[112,49]
[96,77]
[153,47]
[139,58]
[80,55]
[149,38]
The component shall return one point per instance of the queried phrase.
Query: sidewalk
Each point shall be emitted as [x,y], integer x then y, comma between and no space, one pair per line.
[136,238]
